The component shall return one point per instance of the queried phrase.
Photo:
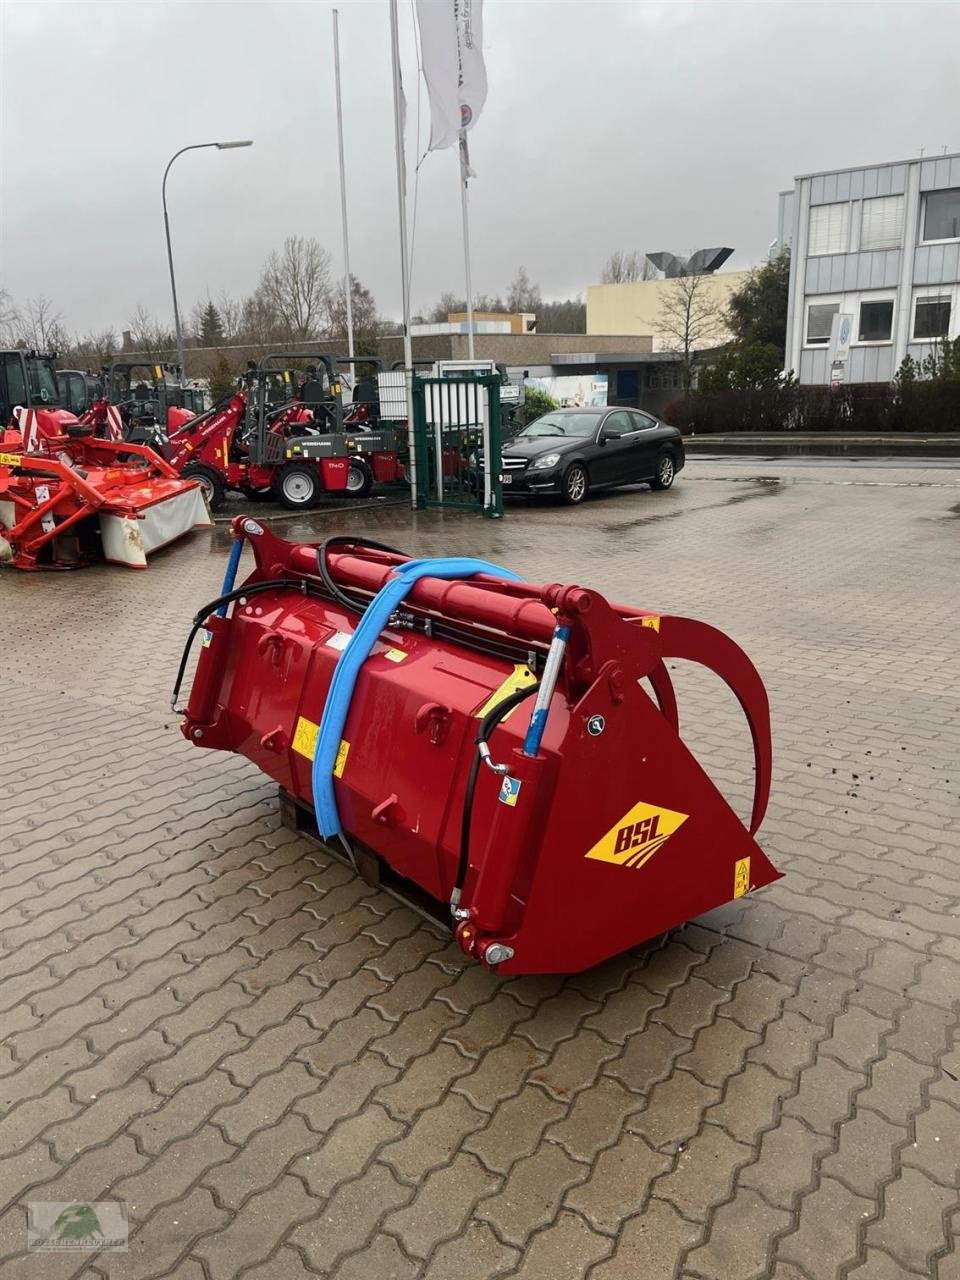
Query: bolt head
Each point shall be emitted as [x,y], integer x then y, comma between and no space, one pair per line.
[497,952]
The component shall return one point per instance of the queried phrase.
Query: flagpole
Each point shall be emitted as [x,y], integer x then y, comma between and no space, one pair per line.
[398,114]
[464,171]
[347,282]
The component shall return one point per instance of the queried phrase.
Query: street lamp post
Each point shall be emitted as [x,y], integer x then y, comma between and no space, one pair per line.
[196,146]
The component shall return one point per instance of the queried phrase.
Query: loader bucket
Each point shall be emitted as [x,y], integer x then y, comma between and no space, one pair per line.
[508,753]
[69,499]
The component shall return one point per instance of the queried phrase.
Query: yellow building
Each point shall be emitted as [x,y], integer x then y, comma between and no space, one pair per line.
[636,308]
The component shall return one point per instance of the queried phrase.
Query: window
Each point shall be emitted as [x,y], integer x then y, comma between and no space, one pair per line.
[941,215]
[829,229]
[819,320]
[876,321]
[641,422]
[931,318]
[16,387]
[619,423]
[881,223]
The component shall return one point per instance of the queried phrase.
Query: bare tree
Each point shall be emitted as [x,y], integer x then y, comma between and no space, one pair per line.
[231,317]
[295,283]
[9,317]
[690,318]
[523,294]
[150,338]
[39,326]
[92,351]
[624,267]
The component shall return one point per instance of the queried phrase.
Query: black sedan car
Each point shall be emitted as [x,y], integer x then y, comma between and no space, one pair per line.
[571,451]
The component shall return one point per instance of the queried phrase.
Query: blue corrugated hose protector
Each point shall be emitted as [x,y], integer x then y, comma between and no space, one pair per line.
[374,620]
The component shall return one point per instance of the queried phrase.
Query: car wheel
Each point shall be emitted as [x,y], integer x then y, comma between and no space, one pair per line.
[574,485]
[359,479]
[666,472]
[297,486]
[211,482]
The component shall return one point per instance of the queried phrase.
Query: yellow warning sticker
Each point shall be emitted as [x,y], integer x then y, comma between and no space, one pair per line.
[305,744]
[305,738]
[10,459]
[520,677]
[637,836]
[395,655]
[650,622]
[741,877]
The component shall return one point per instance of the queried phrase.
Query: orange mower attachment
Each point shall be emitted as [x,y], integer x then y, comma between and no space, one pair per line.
[67,498]
[506,753]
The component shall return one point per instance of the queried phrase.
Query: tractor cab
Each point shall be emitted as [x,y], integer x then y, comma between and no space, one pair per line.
[28,380]
[79,390]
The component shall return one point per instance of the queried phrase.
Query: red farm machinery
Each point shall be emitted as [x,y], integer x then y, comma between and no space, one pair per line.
[68,497]
[294,447]
[507,754]
[142,403]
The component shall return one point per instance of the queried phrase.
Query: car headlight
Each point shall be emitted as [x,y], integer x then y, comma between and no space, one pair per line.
[548,460]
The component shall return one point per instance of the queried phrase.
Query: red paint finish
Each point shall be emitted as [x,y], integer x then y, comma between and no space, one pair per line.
[614,834]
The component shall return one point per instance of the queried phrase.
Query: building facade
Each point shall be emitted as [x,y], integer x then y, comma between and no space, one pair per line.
[879,246]
[637,308]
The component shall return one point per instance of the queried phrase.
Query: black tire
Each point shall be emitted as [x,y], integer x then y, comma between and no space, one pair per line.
[666,471]
[211,482]
[575,484]
[359,479]
[297,486]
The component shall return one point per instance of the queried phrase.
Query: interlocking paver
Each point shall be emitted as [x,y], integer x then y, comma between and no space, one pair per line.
[349,1218]
[563,1251]
[704,1172]
[265,1103]
[194,999]
[250,1236]
[346,1149]
[433,1136]
[649,1244]
[912,1228]
[831,1222]
[476,1251]
[442,1204]
[740,1237]
[531,1194]
[173,1173]
[619,1182]
[515,1129]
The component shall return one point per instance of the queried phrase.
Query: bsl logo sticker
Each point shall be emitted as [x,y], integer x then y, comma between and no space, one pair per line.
[637,836]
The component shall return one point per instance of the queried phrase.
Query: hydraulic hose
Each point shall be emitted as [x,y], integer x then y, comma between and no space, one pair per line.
[221,602]
[342,540]
[487,725]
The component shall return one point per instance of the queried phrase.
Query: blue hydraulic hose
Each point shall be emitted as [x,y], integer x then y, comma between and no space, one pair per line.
[230,577]
[372,623]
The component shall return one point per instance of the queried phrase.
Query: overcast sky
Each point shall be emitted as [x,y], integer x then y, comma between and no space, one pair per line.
[649,125]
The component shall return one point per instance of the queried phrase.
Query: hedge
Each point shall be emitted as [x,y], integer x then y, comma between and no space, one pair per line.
[931,406]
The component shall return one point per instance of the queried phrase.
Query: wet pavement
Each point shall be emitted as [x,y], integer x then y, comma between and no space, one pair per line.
[280,1072]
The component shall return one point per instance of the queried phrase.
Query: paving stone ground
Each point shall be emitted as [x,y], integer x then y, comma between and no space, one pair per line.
[283,1073]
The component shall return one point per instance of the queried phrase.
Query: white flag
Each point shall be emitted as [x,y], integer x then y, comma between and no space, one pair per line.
[451,50]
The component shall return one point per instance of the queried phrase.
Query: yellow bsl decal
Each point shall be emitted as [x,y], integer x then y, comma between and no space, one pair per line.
[10,459]
[520,677]
[637,836]
[741,877]
[305,744]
